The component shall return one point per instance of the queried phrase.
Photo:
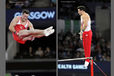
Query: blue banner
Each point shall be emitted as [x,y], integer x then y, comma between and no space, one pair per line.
[77,66]
[39,16]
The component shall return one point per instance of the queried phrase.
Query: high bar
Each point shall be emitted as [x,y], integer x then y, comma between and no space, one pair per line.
[76,59]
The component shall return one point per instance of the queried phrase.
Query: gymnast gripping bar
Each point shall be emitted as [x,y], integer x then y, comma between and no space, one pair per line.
[76,59]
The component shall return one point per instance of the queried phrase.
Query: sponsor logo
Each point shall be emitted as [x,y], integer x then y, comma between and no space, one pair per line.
[39,15]
[71,66]
[86,35]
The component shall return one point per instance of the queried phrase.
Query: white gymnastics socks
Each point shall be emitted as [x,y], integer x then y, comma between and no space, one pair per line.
[86,64]
[49,31]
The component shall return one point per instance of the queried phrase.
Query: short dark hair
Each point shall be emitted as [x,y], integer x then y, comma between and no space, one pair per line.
[82,8]
[25,11]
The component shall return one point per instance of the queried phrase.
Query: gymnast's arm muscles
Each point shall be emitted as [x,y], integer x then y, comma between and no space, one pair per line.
[12,24]
[85,22]
[31,26]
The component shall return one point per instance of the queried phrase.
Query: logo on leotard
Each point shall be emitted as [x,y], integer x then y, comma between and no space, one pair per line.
[21,27]
[86,35]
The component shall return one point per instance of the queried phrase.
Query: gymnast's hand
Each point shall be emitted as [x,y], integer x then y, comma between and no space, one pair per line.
[81,35]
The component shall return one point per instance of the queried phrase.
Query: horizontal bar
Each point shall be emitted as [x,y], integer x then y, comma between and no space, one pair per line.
[76,59]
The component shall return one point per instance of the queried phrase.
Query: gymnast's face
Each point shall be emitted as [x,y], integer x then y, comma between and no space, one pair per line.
[80,12]
[25,16]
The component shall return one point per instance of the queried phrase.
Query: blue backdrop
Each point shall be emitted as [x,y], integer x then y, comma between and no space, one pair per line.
[40,17]
[77,66]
